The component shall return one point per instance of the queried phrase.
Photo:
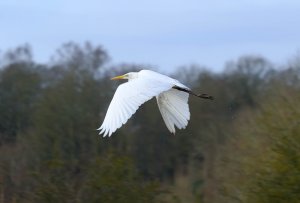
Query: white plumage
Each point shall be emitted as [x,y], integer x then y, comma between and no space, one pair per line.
[174,108]
[141,87]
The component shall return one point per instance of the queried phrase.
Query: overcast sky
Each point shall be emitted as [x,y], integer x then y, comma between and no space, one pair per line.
[164,33]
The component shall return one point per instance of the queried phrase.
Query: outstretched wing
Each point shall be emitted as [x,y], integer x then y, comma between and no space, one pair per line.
[127,99]
[174,108]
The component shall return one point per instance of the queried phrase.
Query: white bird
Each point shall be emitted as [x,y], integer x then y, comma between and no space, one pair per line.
[171,95]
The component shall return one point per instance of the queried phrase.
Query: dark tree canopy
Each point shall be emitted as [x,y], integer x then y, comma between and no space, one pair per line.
[242,147]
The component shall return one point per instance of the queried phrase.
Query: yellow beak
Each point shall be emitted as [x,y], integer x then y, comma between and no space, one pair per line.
[118,77]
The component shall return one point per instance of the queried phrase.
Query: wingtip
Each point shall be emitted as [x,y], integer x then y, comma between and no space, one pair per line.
[102,131]
[173,132]
[105,132]
[99,129]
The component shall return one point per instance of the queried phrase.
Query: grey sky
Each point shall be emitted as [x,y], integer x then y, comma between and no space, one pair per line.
[164,33]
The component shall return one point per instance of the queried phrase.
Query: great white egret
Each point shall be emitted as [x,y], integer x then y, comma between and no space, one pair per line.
[171,95]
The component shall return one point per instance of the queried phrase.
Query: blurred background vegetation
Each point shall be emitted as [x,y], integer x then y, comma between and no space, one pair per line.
[242,147]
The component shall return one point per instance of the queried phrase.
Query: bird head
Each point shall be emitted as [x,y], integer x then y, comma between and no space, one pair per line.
[128,76]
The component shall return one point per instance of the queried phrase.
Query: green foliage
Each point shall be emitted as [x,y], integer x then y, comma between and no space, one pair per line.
[19,91]
[109,178]
[278,178]
[113,178]
[63,110]
[265,153]
[242,147]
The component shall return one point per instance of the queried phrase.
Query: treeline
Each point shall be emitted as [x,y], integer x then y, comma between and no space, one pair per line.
[242,147]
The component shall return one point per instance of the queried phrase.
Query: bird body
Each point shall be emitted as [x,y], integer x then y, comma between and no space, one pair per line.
[171,95]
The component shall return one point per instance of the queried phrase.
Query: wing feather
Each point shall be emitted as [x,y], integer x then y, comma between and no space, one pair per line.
[173,105]
[127,99]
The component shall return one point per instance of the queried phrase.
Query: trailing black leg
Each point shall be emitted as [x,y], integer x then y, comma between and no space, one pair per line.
[203,96]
